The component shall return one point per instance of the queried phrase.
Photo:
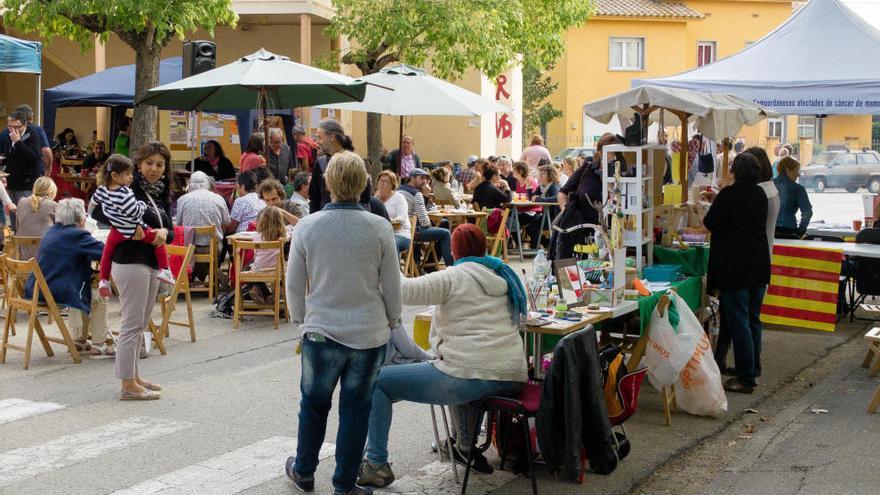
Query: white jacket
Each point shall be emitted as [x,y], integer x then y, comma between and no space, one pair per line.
[472,333]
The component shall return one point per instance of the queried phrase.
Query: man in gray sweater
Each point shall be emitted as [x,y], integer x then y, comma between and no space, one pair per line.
[343,288]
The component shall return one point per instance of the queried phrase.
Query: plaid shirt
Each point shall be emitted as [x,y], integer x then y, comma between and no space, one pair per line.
[466,175]
[199,208]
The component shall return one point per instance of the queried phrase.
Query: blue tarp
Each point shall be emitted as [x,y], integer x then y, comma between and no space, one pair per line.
[114,87]
[20,55]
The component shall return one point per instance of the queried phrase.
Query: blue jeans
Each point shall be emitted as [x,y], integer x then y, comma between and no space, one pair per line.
[441,236]
[425,384]
[325,364]
[402,243]
[741,310]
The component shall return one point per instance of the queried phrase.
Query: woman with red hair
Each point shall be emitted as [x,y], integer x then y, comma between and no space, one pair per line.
[475,339]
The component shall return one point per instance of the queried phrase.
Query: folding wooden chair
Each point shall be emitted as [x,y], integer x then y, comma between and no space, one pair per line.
[408,264]
[275,278]
[21,271]
[497,241]
[20,241]
[167,303]
[210,257]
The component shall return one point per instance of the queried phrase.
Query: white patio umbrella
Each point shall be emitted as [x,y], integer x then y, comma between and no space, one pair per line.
[717,116]
[417,93]
[259,80]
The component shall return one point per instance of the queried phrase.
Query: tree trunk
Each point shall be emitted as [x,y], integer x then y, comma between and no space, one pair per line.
[143,125]
[374,143]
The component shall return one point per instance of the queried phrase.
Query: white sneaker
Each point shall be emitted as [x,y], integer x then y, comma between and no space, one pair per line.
[166,277]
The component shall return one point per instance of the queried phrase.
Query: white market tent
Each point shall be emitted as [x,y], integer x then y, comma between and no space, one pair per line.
[824,60]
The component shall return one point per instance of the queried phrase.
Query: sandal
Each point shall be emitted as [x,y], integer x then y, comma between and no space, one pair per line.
[82,346]
[145,395]
[102,350]
[150,386]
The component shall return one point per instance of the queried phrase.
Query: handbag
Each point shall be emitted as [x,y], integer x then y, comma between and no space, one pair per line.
[706,162]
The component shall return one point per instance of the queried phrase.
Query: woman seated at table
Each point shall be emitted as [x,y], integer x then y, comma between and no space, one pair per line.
[739,266]
[214,163]
[96,158]
[67,140]
[548,177]
[792,197]
[66,254]
[479,166]
[253,154]
[397,208]
[36,213]
[493,191]
[443,193]
[475,338]
[526,186]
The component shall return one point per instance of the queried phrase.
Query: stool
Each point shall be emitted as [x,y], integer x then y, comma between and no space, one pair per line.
[873,355]
[524,406]
[421,332]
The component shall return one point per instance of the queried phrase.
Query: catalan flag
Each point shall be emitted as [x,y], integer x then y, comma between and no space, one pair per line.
[803,288]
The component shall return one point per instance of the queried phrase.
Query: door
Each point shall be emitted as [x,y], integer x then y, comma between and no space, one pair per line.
[844,171]
[869,165]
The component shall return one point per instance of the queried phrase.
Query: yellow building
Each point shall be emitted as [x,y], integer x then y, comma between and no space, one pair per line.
[629,39]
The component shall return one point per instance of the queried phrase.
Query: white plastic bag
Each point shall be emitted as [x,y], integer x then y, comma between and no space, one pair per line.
[698,390]
[668,350]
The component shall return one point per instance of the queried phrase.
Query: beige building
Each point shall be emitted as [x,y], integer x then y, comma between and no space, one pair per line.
[289,27]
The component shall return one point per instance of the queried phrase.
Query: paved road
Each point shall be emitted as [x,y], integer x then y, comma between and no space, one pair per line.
[837,206]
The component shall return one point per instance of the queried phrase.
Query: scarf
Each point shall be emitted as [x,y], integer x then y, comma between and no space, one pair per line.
[154,189]
[516,293]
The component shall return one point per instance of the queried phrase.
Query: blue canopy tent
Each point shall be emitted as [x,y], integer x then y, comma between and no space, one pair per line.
[114,88]
[22,56]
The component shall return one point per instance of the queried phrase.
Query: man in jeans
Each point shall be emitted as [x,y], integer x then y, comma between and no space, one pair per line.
[425,231]
[340,255]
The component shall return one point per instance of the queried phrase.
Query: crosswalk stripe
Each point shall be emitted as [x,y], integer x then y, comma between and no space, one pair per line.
[15,409]
[26,462]
[437,479]
[228,473]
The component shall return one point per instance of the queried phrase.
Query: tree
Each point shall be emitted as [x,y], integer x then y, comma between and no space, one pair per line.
[537,87]
[454,35]
[145,25]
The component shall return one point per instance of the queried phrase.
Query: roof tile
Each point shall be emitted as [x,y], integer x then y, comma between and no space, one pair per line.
[644,8]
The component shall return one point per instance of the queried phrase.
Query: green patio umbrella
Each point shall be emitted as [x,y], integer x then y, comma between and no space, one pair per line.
[258,81]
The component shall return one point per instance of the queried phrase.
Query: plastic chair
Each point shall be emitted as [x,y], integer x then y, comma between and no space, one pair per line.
[628,390]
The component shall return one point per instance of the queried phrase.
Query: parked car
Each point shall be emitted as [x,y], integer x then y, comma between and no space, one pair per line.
[849,170]
[573,153]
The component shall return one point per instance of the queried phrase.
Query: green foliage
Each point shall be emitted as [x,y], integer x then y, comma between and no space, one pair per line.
[537,87]
[455,35]
[875,132]
[140,23]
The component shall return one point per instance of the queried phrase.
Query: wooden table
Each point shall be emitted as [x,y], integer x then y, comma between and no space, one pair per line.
[467,198]
[461,216]
[84,183]
[71,163]
[545,220]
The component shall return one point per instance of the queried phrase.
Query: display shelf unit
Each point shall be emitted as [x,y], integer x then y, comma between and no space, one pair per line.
[638,193]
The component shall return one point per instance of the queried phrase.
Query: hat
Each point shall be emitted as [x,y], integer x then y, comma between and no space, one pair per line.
[417,172]
[472,159]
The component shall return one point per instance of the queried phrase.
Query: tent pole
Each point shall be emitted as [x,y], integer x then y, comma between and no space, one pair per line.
[194,118]
[725,163]
[38,113]
[264,103]
[400,135]
[683,156]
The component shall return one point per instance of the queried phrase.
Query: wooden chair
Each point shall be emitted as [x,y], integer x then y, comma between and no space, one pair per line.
[873,355]
[21,271]
[210,257]
[429,259]
[408,264]
[497,242]
[168,303]
[20,241]
[275,278]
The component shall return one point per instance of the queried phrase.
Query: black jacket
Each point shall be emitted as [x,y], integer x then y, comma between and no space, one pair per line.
[23,162]
[225,169]
[573,414]
[391,161]
[739,256]
[319,195]
[488,196]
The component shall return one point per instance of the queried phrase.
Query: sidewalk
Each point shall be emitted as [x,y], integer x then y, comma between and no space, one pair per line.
[810,451]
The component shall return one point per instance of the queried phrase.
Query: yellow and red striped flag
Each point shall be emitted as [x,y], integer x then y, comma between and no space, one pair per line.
[803,288]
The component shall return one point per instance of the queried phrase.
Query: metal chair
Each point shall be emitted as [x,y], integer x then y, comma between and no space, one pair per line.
[867,273]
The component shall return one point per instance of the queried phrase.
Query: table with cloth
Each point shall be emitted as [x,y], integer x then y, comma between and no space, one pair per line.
[694,261]
[690,289]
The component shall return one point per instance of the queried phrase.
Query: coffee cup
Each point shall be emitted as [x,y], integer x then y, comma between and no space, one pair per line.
[857,225]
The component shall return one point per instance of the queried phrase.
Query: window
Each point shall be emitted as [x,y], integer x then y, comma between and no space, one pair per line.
[774,128]
[846,159]
[868,158]
[626,54]
[705,53]
[806,126]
